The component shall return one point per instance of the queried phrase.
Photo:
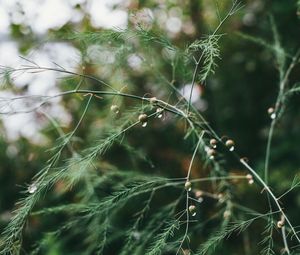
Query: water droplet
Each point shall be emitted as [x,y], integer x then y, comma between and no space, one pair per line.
[114,108]
[273,116]
[213,142]
[198,193]
[226,214]
[272,113]
[32,188]
[230,144]
[188,186]
[153,100]
[143,118]
[221,198]
[136,235]
[280,223]
[192,210]
[200,199]
[159,112]
[144,124]
[186,252]
[211,153]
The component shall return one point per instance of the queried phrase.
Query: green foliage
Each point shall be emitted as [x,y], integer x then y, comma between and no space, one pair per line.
[140,170]
[161,240]
[226,231]
[209,48]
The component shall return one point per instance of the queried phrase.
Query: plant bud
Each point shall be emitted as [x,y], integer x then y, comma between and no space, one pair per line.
[198,193]
[250,178]
[280,224]
[192,210]
[271,110]
[188,186]
[143,118]
[114,108]
[153,100]
[211,153]
[213,142]
[230,144]
[221,198]
[159,112]
[226,214]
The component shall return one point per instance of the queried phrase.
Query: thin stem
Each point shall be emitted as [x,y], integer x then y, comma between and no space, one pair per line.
[58,129]
[193,81]
[286,247]
[67,140]
[199,59]
[279,100]
[222,178]
[161,103]
[268,150]
[234,8]
[187,195]
[193,157]
[286,192]
[271,194]
[37,69]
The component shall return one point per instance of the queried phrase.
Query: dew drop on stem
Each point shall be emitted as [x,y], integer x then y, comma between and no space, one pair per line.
[143,118]
[272,113]
[115,109]
[159,112]
[211,153]
[188,186]
[200,199]
[192,210]
[230,145]
[213,142]
[273,116]
[32,188]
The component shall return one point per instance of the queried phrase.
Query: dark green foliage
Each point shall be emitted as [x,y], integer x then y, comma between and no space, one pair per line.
[113,182]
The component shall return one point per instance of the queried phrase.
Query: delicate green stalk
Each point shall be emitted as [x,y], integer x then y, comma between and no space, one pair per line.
[271,194]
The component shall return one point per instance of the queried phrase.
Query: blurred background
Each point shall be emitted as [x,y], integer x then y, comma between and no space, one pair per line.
[234,100]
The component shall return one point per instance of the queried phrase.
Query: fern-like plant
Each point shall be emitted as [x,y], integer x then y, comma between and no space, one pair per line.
[100,192]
